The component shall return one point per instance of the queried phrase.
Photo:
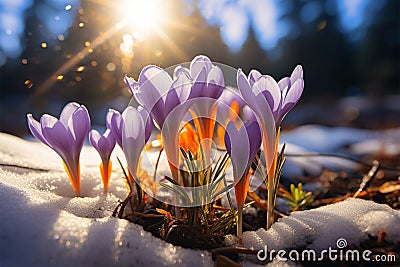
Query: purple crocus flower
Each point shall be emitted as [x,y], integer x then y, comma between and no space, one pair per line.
[65,136]
[161,96]
[158,93]
[104,144]
[281,96]
[114,122]
[208,84]
[256,101]
[270,102]
[208,80]
[133,137]
[247,142]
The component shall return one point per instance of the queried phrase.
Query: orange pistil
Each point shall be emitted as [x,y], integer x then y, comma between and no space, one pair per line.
[105,174]
[74,179]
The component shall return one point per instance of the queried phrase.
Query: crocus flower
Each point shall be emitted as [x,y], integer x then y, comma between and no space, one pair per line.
[208,80]
[270,102]
[242,146]
[281,96]
[158,93]
[133,137]
[165,99]
[65,136]
[104,144]
[208,83]
[255,99]
[114,122]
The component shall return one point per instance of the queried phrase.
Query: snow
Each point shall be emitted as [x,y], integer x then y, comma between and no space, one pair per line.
[43,224]
[318,229]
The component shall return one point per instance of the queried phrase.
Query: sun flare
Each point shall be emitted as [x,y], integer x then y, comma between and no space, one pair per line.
[141,16]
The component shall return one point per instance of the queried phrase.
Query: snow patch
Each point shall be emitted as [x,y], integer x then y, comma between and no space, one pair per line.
[353,220]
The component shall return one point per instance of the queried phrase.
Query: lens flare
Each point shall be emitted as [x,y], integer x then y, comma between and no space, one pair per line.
[141,16]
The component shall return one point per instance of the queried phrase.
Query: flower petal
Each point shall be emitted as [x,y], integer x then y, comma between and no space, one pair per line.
[239,152]
[36,129]
[247,92]
[198,64]
[132,85]
[59,137]
[114,123]
[79,125]
[94,137]
[270,89]
[199,84]
[254,136]
[170,131]
[153,82]
[133,139]
[180,70]
[296,74]
[215,83]
[254,75]
[292,97]
[284,84]
[106,145]
[67,112]
[182,85]
[148,123]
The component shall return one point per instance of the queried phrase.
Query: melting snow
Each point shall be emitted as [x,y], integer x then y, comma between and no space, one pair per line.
[353,220]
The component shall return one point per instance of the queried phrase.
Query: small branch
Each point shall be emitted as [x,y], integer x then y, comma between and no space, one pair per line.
[372,172]
[27,168]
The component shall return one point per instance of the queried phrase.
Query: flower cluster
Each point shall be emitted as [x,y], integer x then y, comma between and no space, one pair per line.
[165,103]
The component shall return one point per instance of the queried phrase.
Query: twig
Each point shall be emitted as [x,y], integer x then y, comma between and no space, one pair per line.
[27,168]
[372,172]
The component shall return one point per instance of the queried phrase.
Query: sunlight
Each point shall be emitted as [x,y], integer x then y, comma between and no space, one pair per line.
[141,16]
